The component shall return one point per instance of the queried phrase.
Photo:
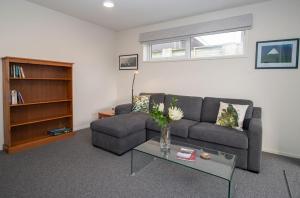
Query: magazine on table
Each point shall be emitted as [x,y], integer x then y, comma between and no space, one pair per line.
[186,154]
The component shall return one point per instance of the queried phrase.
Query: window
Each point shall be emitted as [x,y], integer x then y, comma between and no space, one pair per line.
[216,45]
[192,47]
[166,49]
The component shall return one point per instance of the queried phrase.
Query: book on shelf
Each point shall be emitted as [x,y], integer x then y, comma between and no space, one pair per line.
[59,131]
[16,71]
[20,98]
[22,72]
[16,97]
[186,154]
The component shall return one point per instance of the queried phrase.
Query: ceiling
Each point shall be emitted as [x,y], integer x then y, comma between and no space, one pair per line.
[132,13]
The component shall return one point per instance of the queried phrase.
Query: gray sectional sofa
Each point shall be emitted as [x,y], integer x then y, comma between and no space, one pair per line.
[128,129]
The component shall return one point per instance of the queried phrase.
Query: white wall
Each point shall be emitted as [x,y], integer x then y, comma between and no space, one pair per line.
[28,30]
[276,91]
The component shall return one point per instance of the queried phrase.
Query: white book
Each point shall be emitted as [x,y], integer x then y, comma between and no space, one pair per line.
[184,155]
[14,97]
[14,69]
[22,72]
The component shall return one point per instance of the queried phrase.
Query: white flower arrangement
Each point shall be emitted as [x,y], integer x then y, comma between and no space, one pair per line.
[175,113]
[161,107]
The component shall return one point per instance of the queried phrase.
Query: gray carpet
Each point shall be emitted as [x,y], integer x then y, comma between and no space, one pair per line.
[74,168]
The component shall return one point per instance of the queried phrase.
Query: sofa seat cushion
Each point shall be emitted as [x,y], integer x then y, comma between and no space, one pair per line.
[121,125]
[181,127]
[178,128]
[150,124]
[221,135]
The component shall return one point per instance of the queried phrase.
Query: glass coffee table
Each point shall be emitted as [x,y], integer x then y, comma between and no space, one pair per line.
[220,164]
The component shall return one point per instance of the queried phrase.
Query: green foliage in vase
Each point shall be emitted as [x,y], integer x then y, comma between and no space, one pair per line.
[229,117]
[173,102]
[157,113]
[159,117]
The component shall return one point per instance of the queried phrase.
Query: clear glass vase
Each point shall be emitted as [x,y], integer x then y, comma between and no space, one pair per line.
[165,139]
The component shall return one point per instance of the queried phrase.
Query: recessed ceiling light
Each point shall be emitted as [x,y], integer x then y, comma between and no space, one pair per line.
[108,4]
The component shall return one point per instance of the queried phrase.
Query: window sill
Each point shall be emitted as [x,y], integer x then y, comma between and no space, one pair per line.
[196,59]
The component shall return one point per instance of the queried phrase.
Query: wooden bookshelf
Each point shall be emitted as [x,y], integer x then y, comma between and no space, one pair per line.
[47,93]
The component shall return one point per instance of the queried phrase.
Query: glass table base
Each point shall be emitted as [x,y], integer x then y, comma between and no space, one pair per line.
[144,154]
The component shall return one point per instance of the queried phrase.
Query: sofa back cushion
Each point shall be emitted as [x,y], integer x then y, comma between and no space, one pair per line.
[155,98]
[190,105]
[211,108]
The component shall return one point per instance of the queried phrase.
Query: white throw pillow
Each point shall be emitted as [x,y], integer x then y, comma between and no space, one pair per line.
[232,115]
[141,103]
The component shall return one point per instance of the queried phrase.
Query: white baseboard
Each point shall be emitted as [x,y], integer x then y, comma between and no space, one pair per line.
[281,153]
[76,128]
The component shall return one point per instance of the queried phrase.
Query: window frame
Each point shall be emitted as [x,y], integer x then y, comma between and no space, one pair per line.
[221,56]
[147,56]
[161,41]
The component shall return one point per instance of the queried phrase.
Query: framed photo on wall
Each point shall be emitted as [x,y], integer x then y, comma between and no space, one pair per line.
[277,54]
[128,62]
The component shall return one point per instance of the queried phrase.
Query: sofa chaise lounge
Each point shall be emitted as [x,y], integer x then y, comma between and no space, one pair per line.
[128,129]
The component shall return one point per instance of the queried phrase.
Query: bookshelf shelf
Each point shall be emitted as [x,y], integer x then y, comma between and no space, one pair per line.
[67,79]
[46,90]
[36,141]
[41,138]
[41,102]
[40,120]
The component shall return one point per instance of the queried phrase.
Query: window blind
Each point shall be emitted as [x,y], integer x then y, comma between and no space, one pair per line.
[237,23]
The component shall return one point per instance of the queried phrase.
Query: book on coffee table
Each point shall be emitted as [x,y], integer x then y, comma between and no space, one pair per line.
[186,154]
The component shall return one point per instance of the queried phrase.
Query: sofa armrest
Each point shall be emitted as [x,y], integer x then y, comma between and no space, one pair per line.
[256,112]
[254,144]
[123,109]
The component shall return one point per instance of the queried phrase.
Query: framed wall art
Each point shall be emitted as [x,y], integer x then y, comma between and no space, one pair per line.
[277,54]
[128,62]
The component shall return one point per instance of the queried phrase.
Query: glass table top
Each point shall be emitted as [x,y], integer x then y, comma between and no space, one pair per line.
[220,164]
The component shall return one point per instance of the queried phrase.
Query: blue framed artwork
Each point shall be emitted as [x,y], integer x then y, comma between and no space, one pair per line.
[277,54]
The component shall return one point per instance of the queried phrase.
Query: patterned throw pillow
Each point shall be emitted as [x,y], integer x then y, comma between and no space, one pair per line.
[231,115]
[141,103]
